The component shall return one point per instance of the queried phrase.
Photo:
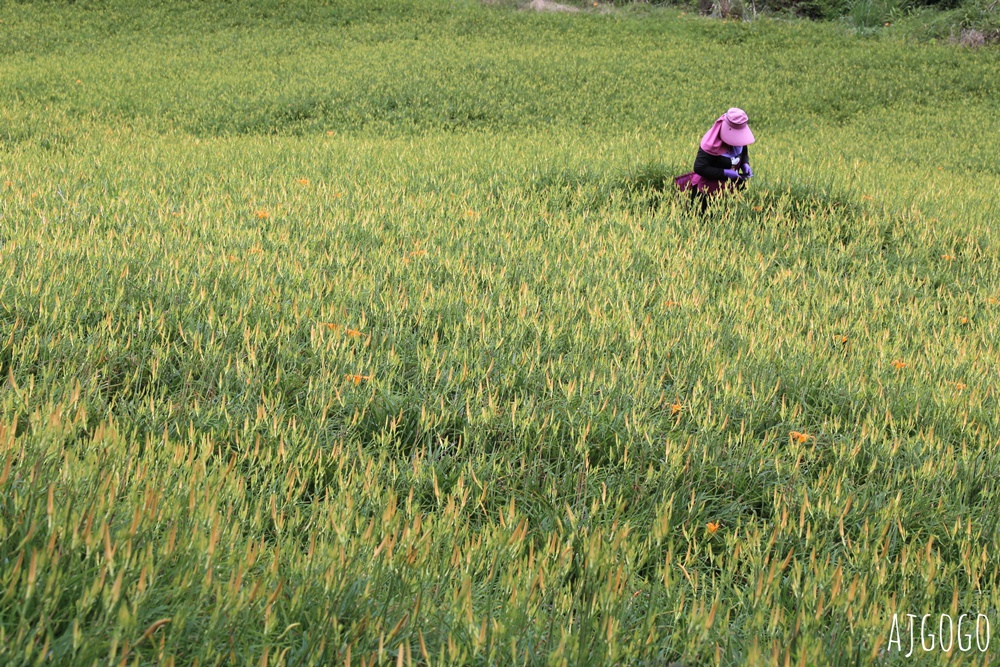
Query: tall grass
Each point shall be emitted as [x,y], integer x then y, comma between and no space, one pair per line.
[374,333]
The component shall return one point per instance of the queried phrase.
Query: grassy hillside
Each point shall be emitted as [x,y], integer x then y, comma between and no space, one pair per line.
[370,332]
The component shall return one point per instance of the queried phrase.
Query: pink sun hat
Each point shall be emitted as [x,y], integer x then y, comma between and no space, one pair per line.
[735,128]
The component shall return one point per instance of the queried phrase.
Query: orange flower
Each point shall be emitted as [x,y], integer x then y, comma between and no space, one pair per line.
[711,527]
[330,133]
[866,197]
[415,253]
[357,379]
[959,385]
[841,339]
[671,304]
[338,195]
[353,333]
[898,364]
[262,214]
[303,181]
[796,436]
[758,208]
[948,257]
[675,408]
[231,258]
[992,301]
[963,320]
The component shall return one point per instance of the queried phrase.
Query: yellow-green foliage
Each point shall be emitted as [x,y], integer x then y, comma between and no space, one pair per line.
[375,333]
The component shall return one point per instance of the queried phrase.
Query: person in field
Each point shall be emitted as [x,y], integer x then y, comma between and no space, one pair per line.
[723,161]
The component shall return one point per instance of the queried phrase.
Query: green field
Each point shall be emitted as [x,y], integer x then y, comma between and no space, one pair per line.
[374,333]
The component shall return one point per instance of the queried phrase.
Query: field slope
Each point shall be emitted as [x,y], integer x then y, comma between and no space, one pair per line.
[372,332]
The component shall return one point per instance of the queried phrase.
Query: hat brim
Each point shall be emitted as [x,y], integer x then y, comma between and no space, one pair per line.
[736,137]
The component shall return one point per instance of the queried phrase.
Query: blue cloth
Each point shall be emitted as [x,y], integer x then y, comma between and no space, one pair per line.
[733,154]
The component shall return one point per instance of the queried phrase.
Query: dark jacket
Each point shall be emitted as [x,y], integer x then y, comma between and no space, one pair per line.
[711,166]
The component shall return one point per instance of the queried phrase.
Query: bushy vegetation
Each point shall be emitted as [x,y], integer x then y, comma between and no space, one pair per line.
[365,333]
[970,23]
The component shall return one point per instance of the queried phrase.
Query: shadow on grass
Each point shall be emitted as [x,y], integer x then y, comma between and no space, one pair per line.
[652,184]
[641,187]
[763,211]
